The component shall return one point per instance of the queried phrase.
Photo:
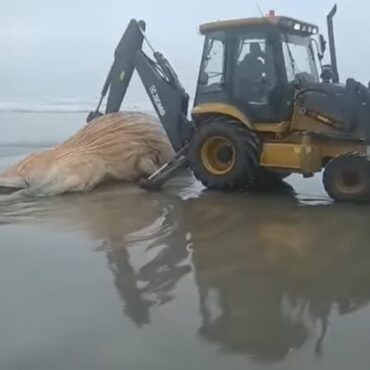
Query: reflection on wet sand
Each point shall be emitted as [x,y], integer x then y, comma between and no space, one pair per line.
[282,272]
[269,272]
[131,220]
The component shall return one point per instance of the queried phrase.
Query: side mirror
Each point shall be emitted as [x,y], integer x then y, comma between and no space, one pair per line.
[322,44]
[327,73]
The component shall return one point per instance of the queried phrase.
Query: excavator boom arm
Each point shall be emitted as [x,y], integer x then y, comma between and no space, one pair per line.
[169,99]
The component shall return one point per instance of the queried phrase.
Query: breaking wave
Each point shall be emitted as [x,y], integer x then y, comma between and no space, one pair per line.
[58,105]
[47,106]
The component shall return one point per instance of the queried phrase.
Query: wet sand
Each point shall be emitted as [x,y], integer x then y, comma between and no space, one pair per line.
[122,278]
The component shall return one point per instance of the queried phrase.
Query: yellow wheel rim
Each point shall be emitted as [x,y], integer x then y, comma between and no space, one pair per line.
[218,155]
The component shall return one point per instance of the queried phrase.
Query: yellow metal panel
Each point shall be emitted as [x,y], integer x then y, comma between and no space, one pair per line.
[302,157]
[221,108]
[229,110]
[308,124]
[276,128]
[278,155]
[221,25]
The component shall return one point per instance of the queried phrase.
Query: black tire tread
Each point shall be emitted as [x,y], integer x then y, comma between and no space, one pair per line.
[363,196]
[248,142]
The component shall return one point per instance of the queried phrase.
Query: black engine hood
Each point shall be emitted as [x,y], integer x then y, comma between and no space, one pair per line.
[347,104]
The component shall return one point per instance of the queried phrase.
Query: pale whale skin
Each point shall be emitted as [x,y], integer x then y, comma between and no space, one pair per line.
[125,146]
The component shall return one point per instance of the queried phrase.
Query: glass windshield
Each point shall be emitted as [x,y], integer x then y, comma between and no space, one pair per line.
[299,58]
[213,63]
[254,76]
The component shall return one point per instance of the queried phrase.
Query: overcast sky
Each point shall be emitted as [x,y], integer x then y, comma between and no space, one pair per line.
[64,48]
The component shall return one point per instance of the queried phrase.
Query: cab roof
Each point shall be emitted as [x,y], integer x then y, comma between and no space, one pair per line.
[289,24]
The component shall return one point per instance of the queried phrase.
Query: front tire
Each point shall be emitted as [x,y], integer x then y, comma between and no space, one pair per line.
[347,179]
[224,154]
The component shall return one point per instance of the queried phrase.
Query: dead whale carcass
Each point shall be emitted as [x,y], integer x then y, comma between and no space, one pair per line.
[124,146]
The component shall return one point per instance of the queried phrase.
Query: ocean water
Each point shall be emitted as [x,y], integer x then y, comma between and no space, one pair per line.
[122,278]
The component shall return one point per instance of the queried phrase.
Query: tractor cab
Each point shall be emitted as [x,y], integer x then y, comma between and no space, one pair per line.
[253,64]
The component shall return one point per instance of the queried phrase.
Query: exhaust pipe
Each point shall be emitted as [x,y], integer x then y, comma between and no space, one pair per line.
[333,54]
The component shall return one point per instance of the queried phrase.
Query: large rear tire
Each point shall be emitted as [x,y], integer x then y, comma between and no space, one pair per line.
[347,179]
[224,154]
